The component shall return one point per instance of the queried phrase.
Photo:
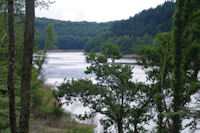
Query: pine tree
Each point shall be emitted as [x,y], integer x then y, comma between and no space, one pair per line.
[186,56]
[177,85]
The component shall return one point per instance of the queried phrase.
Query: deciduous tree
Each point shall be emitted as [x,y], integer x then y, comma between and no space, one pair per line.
[123,102]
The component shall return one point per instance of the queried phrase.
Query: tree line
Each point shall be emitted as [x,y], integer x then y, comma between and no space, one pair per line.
[70,35]
[140,29]
[137,30]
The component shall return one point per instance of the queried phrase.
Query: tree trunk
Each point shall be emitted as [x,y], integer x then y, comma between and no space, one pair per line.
[11,89]
[27,66]
[135,128]
[177,85]
[119,126]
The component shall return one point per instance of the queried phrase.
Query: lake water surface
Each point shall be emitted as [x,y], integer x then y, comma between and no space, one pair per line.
[69,65]
[61,65]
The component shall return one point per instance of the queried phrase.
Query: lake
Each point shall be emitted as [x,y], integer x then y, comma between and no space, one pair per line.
[69,65]
[61,65]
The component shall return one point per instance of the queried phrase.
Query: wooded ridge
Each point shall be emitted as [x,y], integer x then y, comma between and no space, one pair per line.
[139,29]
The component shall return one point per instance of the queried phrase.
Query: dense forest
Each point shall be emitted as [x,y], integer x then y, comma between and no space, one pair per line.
[70,35]
[140,29]
[168,50]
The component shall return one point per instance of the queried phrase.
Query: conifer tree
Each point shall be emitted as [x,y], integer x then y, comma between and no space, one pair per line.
[179,23]
[186,56]
[176,76]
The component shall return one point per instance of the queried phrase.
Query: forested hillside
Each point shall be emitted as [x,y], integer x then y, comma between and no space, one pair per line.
[157,92]
[70,35]
[140,29]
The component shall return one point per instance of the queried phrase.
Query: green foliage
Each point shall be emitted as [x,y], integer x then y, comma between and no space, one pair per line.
[70,35]
[83,129]
[160,58]
[111,51]
[37,96]
[155,57]
[151,21]
[137,30]
[185,70]
[59,126]
[39,60]
[51,37]
[4,112]
[4,121]
[113,93]
[43,104]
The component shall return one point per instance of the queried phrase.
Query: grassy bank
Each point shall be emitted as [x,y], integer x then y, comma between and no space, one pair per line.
[59,126]
[47,116]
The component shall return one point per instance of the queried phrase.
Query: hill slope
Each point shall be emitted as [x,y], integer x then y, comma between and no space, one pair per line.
[140,29]
[70,35]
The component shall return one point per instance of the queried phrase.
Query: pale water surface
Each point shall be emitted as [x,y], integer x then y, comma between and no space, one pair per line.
[61,65]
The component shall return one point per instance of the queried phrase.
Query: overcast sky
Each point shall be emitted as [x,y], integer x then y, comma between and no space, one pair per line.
[96,10]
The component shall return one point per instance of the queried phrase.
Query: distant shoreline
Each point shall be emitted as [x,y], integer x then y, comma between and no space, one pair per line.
[72,50]
[126,56]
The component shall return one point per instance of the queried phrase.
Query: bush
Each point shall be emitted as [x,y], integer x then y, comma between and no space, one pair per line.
[4,111]
[44,105]
[77,128]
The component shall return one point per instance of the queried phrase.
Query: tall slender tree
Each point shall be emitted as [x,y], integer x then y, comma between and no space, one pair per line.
[186,55]
[51,37]
[178,30]
[27,66]
[11,88]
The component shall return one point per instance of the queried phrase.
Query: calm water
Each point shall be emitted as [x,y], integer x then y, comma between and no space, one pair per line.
[61,65]
[69,65]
